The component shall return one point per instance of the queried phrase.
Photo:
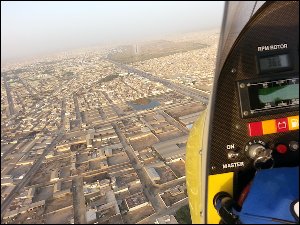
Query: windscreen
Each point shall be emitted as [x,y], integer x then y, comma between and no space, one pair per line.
[236,16]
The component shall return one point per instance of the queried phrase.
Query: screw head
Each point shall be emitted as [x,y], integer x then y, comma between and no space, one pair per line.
[242,85]
[294,145]
[246,113]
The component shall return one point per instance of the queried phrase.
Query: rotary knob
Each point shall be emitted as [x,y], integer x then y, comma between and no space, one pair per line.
[261,155]
[256,150]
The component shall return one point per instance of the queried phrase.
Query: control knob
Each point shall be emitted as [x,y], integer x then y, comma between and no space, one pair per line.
[261,155]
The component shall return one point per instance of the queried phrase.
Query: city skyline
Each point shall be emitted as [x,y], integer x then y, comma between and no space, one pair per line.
[36,28]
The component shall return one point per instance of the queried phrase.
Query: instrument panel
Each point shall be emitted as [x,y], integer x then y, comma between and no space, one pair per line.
[268,96]
[255,120]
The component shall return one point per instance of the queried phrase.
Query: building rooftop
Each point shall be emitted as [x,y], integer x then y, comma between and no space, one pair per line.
[167,219]
[171,148]
[152,173]
[135,201]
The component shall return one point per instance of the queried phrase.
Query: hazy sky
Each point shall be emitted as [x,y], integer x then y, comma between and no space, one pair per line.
[31,28]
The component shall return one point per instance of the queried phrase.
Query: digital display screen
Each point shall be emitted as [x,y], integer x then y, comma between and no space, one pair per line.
[279,93]
[274,94]
[274,62]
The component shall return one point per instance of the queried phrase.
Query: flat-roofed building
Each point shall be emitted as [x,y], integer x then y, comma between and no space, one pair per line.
[171,149]
[153,175]
[193,115]
[62,193]
[63,148]
[107,211]
[7,191]
[7,182]
[11,214]
[105,129]
[31,206]
[89,143]
[108,152]
[31,192]
[54,175]
[188,120]
[167,219]
[136,201]
[57,187]
[91,215]
[25,162]
[103,164]
[114,146]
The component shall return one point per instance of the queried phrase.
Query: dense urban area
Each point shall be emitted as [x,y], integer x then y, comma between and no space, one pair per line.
[99,135]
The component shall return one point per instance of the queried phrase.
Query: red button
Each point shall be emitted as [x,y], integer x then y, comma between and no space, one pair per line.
[282,125]
[281,148]
[255,129]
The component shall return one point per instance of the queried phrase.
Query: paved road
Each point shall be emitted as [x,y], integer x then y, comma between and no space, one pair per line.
[32,107]
[29,88]
[118,111]
[29,175]
[77,111]
[172,121]
[20,100]
[187,91]
[133,158]
[78,201]
[63,113]
[145,181]
[9,97]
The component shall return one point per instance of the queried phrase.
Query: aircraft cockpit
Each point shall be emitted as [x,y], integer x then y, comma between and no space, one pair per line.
[243,152]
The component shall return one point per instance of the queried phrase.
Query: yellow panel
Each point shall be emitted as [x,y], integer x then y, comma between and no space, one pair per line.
[193,168]
[217,183]
[269,126]
[293,122]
